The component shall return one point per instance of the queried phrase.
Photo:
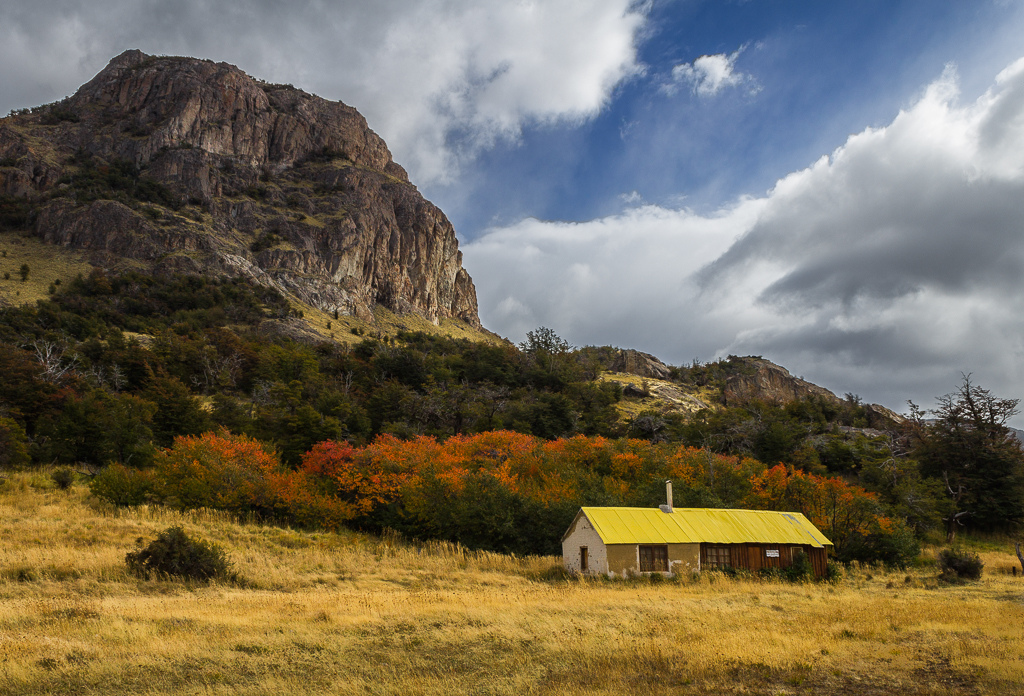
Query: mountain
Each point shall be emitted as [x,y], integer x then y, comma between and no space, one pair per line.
[181,165]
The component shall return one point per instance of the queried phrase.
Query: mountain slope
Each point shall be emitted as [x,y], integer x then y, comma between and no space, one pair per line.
[184,165]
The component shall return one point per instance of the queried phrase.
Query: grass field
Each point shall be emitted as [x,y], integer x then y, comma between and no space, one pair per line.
[47,263]
[348,614]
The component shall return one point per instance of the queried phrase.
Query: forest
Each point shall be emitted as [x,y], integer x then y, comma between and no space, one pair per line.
[177,390]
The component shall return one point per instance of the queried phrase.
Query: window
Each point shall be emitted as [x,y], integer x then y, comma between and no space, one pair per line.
[717,556]
[654,558]
[584,559]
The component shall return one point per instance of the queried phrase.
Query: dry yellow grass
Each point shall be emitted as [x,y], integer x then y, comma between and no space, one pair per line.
[347,614]
[665,397]
[385,323]
[46,262]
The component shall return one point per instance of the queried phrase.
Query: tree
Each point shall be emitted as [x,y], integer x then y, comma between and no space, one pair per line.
[177,411]
[970,448]
[13,443]
[549,353]
[544,340]
[98,428]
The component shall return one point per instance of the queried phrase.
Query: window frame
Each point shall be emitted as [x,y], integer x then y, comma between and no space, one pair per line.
[717,556]
[653,558]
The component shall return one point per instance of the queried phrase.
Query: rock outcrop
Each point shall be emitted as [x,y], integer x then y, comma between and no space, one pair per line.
[765,381]
[634,362]
[762,380]
[190,165]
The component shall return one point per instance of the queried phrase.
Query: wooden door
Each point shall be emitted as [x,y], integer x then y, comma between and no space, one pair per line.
[754,555]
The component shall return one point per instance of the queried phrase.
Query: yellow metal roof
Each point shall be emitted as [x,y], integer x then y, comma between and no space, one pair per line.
[622,525]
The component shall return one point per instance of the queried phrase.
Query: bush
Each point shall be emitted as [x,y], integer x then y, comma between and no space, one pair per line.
[957,565]
[833,572]
[121,486]
[555,574]
[177,554]
[63,478]
[800,569]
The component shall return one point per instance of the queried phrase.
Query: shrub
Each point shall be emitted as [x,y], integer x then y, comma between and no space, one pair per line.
[64,478]
[555,574]
[13,443]
[58,113]
[177,554]
[800,569]
[218,470]
[956,565]
[122,486]
[833,572]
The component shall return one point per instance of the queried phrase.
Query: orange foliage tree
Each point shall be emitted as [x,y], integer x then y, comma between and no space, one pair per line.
[218,470]
[848,515]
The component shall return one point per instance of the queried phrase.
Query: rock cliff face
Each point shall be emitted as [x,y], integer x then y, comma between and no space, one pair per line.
[190,165]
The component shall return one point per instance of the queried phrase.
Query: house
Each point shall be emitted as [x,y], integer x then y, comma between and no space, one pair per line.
[622,541]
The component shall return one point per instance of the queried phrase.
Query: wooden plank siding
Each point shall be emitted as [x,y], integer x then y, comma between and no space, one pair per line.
[754,557]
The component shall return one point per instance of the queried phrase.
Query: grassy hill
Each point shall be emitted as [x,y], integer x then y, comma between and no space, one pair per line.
[347,613]
[48,265]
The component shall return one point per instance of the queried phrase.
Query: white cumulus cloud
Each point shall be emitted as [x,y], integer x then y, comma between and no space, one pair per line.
[886,268]
[709,75]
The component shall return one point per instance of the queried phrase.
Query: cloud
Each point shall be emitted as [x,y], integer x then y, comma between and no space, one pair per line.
[709,75]
[438,80]
[885,268]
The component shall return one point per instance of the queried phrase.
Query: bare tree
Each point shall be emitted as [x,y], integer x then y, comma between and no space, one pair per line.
[953,519]
[260,395]
[57,363]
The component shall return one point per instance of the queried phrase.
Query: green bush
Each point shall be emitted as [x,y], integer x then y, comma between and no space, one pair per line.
[177,554]
[957,565]
[122,486]
[63,478]
[58,113]
[800,569]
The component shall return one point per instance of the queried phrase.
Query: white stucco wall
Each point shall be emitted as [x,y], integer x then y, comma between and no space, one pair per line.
[583,533]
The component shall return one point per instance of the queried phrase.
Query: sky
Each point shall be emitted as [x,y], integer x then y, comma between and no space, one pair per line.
[836,186]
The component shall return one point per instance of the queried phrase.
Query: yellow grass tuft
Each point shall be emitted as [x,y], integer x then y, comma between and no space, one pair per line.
[353,614]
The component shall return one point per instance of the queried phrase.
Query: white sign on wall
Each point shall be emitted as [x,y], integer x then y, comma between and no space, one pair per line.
[771,553]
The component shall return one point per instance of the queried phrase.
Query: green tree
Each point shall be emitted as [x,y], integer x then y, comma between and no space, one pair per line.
[177,411]
[970,448]
[550,358]
[13,443]
[98,428]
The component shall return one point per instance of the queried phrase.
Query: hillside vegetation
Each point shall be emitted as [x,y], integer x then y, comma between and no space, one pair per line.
[137,370]
[343,613]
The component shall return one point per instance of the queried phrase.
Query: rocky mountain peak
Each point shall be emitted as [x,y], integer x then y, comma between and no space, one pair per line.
[191,165]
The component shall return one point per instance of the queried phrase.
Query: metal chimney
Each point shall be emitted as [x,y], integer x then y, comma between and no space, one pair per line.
[668,498]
